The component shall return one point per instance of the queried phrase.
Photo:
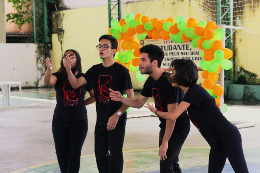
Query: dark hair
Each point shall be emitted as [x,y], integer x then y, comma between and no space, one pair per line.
[186,72]
[112,40]
[78,68]
[154,53]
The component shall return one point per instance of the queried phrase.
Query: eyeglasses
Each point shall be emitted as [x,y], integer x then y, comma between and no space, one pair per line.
[105,46]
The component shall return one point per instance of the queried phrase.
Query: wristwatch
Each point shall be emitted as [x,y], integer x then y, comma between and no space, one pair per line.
[119,113]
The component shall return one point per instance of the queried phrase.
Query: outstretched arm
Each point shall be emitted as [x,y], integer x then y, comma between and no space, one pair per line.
[170,115]
[168,132]
[131,102]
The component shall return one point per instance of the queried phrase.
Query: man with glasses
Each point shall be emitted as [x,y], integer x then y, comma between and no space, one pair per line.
[111,115]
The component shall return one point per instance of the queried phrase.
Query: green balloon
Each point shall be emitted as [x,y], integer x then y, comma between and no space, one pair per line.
[130,55]
[167,25]
[202,24]
[116,34]
[225,64]
[129,15]
[141,36]
[121,54]
[116,56]
[212,66]
[129,19]
[218,55]
[140,77]
[225,108]
[213,95]
[115,24]
[123,59]
[124,28]
[112,30]
[194,41]
[133,24]
[148,26]
[178,38]
[190,32]
[182,25]
[207,44]
[202,54]
[210,92]
[132,68]
[219,34]
[203,64]
[179,18]
[172,36]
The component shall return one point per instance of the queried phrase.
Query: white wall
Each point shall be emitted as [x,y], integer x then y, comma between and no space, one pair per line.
[22,62]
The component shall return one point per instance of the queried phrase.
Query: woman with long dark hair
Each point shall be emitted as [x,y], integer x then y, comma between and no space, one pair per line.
[70,123]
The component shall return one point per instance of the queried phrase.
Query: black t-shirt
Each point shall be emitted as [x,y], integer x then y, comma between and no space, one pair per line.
[207,117]
[117,78]
[164,93]
[70,101]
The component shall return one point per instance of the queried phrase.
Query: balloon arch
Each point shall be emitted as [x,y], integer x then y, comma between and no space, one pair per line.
[206,36]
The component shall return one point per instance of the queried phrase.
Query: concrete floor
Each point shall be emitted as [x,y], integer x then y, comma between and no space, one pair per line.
[27,144]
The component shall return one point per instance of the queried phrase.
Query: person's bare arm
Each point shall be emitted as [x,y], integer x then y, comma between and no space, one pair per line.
[112,121]
[131,102]
[74,82]
[91,99]
[49,79]
[170,115]
[168,132]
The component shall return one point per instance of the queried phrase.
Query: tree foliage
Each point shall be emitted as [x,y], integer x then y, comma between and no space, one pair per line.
[24,12]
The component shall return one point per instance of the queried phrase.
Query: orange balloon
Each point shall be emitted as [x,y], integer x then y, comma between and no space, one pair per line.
[192,23]
[208,55]
[209,34]
[165,35]
[128,38]
[217,100]
[170,19]
[134,44]
[208,83]
[108,31]
[199,31]
[174,29]
[211,25]
[217,45]
[213,76]
[204,74]
[149,33]
[184,38]
[137,17]
[227,53]
[154,21]
[137,52]
[135,62]
[159,25]
[219,67]
[145,19]
[156,34]
[130,32]
[200,43]
[139,29]
[218,90]
[125,44]
[122,22]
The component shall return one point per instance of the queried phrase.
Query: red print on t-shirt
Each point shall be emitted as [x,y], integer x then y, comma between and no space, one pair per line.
[71,96]
[104,83]
[157,101]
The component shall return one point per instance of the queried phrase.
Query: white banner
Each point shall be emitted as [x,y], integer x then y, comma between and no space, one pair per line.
[174,51]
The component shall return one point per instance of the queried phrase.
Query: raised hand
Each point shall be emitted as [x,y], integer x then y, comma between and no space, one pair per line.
[48,64]
[67,63]
[115,95]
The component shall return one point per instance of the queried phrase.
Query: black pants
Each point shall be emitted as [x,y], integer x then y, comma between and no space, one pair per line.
[69,138]
[109,147]
[170,165]
[231,149]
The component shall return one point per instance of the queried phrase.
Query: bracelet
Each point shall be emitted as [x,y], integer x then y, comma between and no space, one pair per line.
[156,112]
